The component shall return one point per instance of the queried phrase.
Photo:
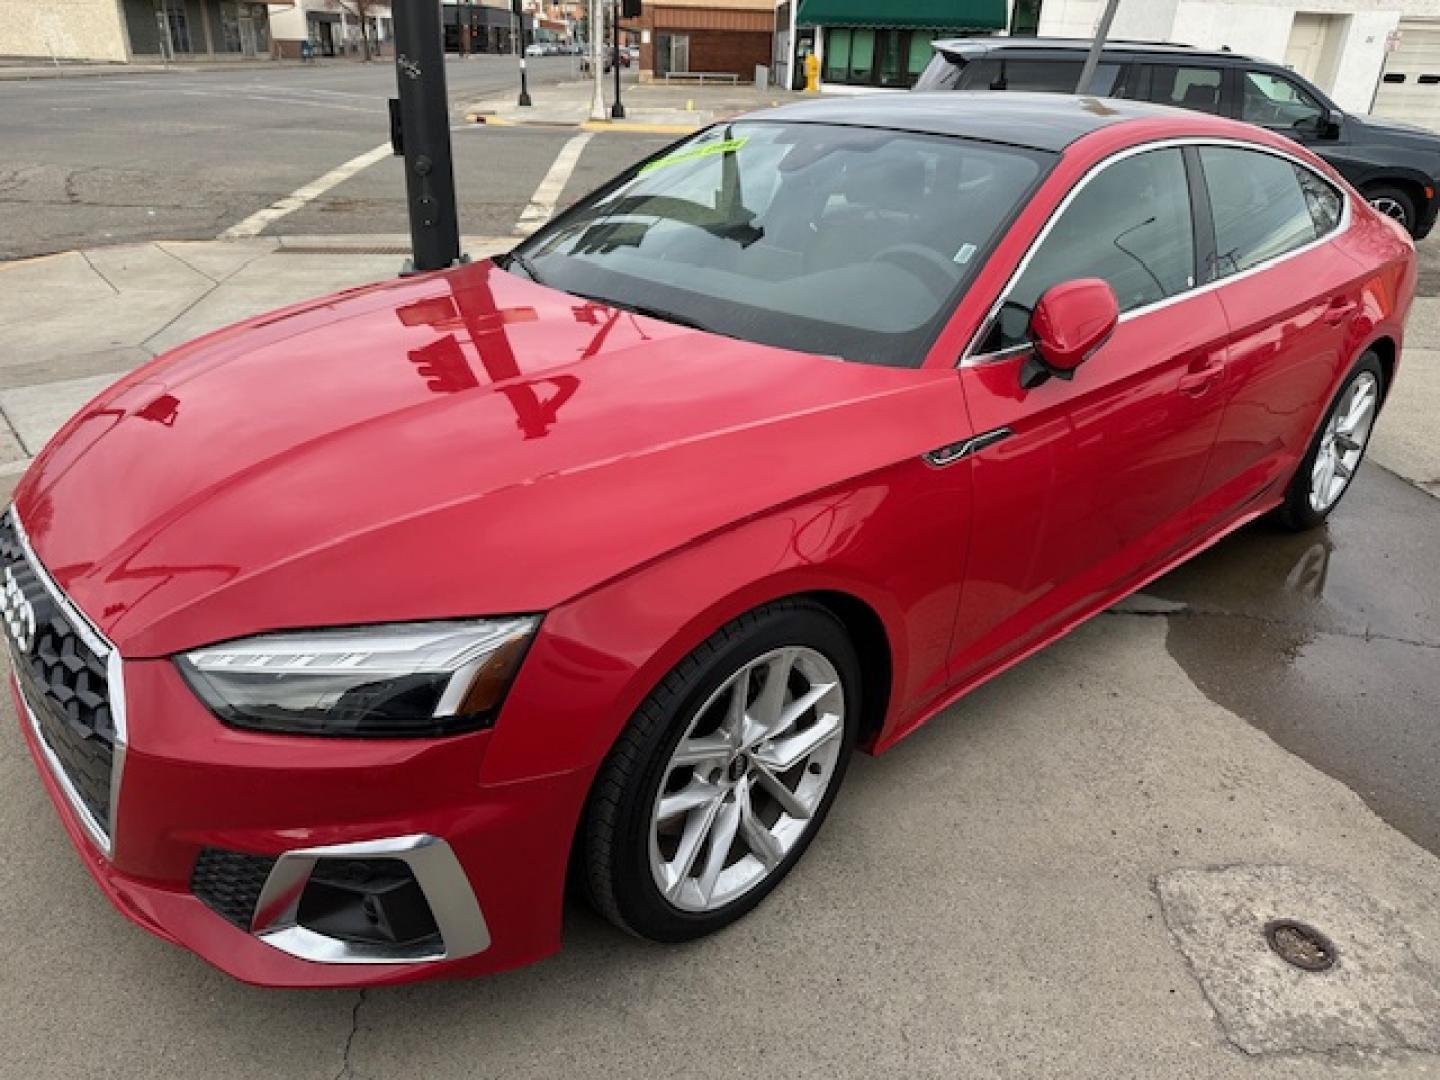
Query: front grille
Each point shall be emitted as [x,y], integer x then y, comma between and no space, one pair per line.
[229,883]
[62,667]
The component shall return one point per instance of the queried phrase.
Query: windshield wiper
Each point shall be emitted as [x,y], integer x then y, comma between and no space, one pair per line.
[653,313]
[514,258]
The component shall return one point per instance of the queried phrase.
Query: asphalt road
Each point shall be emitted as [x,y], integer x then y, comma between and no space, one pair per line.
[90,161]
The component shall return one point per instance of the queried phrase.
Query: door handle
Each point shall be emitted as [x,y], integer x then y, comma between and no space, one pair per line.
[1339,310]
[1201,376]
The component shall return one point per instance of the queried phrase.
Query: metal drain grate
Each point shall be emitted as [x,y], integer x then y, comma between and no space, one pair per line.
[1300,945]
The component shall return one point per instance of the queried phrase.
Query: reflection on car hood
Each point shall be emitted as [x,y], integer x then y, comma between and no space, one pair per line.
[457,444]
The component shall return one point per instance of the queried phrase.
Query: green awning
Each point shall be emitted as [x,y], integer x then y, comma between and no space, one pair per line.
[918,14]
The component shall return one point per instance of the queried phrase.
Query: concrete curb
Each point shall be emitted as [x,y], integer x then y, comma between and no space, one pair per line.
[614,127]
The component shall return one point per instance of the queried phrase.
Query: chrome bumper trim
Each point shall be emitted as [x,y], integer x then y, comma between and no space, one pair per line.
[463,931]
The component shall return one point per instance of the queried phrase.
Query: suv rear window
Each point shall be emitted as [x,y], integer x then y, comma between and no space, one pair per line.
[1056,76]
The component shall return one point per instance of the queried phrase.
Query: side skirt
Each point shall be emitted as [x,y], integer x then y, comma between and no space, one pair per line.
[1251,513]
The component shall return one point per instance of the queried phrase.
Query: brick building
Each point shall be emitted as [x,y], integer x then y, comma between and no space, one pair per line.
[723,36]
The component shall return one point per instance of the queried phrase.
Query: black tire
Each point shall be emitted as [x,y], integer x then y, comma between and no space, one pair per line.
[616,828]
[1401,204]
[1296,512]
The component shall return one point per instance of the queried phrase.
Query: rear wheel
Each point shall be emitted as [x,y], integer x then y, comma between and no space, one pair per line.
[1394,203]
[1335,452]
[724,774]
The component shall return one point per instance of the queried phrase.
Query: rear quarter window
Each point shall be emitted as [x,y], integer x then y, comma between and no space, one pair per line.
[1261,210]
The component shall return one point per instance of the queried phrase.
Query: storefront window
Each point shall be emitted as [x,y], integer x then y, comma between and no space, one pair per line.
[862,56]
[892,58]
[922,48]
[837,56]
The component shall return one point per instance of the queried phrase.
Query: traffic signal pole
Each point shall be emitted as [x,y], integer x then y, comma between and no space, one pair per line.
[617,110]
[420,130]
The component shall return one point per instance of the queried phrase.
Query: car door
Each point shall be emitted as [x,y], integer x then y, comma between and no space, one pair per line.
[1087,484]
[1288,296]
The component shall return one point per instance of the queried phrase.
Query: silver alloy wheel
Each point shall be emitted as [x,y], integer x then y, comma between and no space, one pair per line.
[746,778]
[1343,442]
[1391,208]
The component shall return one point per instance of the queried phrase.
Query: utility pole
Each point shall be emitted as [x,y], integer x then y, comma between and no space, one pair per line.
[597,67]
[519,16]
[420,129]
[617,111]
[1087,73]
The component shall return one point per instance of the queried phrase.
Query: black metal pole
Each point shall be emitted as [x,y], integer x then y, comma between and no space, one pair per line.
[421,122]
[524,101]
[617,111]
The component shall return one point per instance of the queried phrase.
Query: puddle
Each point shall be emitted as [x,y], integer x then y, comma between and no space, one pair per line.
[1329,641]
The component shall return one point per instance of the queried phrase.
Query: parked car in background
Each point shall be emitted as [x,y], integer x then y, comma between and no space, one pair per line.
[594,562]
[537,49]
[610,53]
[1395,166]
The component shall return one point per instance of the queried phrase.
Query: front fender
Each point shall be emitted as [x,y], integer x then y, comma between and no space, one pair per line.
[895,540]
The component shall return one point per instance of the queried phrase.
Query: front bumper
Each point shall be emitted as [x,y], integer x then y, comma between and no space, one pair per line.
[191,784]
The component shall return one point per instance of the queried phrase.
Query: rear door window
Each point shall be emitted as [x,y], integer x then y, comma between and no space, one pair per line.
[1195,88]
[1259,207]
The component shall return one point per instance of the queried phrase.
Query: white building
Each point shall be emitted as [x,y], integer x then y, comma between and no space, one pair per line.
[1366,54]
[333,27]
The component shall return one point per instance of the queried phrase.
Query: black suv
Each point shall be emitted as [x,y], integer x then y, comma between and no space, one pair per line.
[1393,165]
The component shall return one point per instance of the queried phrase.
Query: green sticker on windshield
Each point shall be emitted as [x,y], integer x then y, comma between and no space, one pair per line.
[725,146]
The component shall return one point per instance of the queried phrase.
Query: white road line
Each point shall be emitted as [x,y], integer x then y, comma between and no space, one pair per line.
[542,203]
[306,103]
[257,222]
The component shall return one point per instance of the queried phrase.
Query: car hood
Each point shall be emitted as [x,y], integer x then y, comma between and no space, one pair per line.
[1409,134]
[458,444]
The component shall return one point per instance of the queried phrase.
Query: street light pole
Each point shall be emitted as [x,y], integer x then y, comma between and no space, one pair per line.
[1087,73]
[519,17]
[617,111]
[597,68]
[420,119]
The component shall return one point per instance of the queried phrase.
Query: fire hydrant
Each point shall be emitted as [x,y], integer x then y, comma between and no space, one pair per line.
[812,74]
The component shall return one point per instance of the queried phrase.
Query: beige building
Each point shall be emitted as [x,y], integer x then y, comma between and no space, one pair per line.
[136,30]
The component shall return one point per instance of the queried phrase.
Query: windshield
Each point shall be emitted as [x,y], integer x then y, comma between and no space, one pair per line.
[850,242]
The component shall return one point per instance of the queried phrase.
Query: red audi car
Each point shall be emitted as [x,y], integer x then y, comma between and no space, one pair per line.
[344,637]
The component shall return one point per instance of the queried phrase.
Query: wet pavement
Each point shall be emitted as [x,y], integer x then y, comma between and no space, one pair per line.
[1329,641]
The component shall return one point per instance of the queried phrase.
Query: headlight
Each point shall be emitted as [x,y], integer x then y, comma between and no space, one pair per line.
[410,679]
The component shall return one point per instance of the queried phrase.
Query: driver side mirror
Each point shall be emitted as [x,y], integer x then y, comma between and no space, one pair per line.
[1070,322]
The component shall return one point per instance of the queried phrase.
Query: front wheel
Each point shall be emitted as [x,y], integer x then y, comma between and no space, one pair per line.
[1336,450]
[724,775]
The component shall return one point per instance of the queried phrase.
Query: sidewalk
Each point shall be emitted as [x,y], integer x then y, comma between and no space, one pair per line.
[13,70]
[75,322]
[658,108]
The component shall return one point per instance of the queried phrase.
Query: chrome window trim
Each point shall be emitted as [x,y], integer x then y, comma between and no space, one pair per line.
[115,689]
[463,931]
[970,358]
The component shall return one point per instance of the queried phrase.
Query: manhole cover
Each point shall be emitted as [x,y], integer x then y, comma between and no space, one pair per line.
[1299,945]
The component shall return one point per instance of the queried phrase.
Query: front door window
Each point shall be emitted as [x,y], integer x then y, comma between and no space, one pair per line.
[1274,101]
[1130,226]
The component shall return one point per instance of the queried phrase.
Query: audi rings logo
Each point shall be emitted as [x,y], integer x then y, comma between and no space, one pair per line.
[19,613]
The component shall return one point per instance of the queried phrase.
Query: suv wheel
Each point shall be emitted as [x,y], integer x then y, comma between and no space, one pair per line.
[1393,203]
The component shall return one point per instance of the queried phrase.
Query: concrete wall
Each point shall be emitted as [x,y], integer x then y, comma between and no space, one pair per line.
[69,29]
